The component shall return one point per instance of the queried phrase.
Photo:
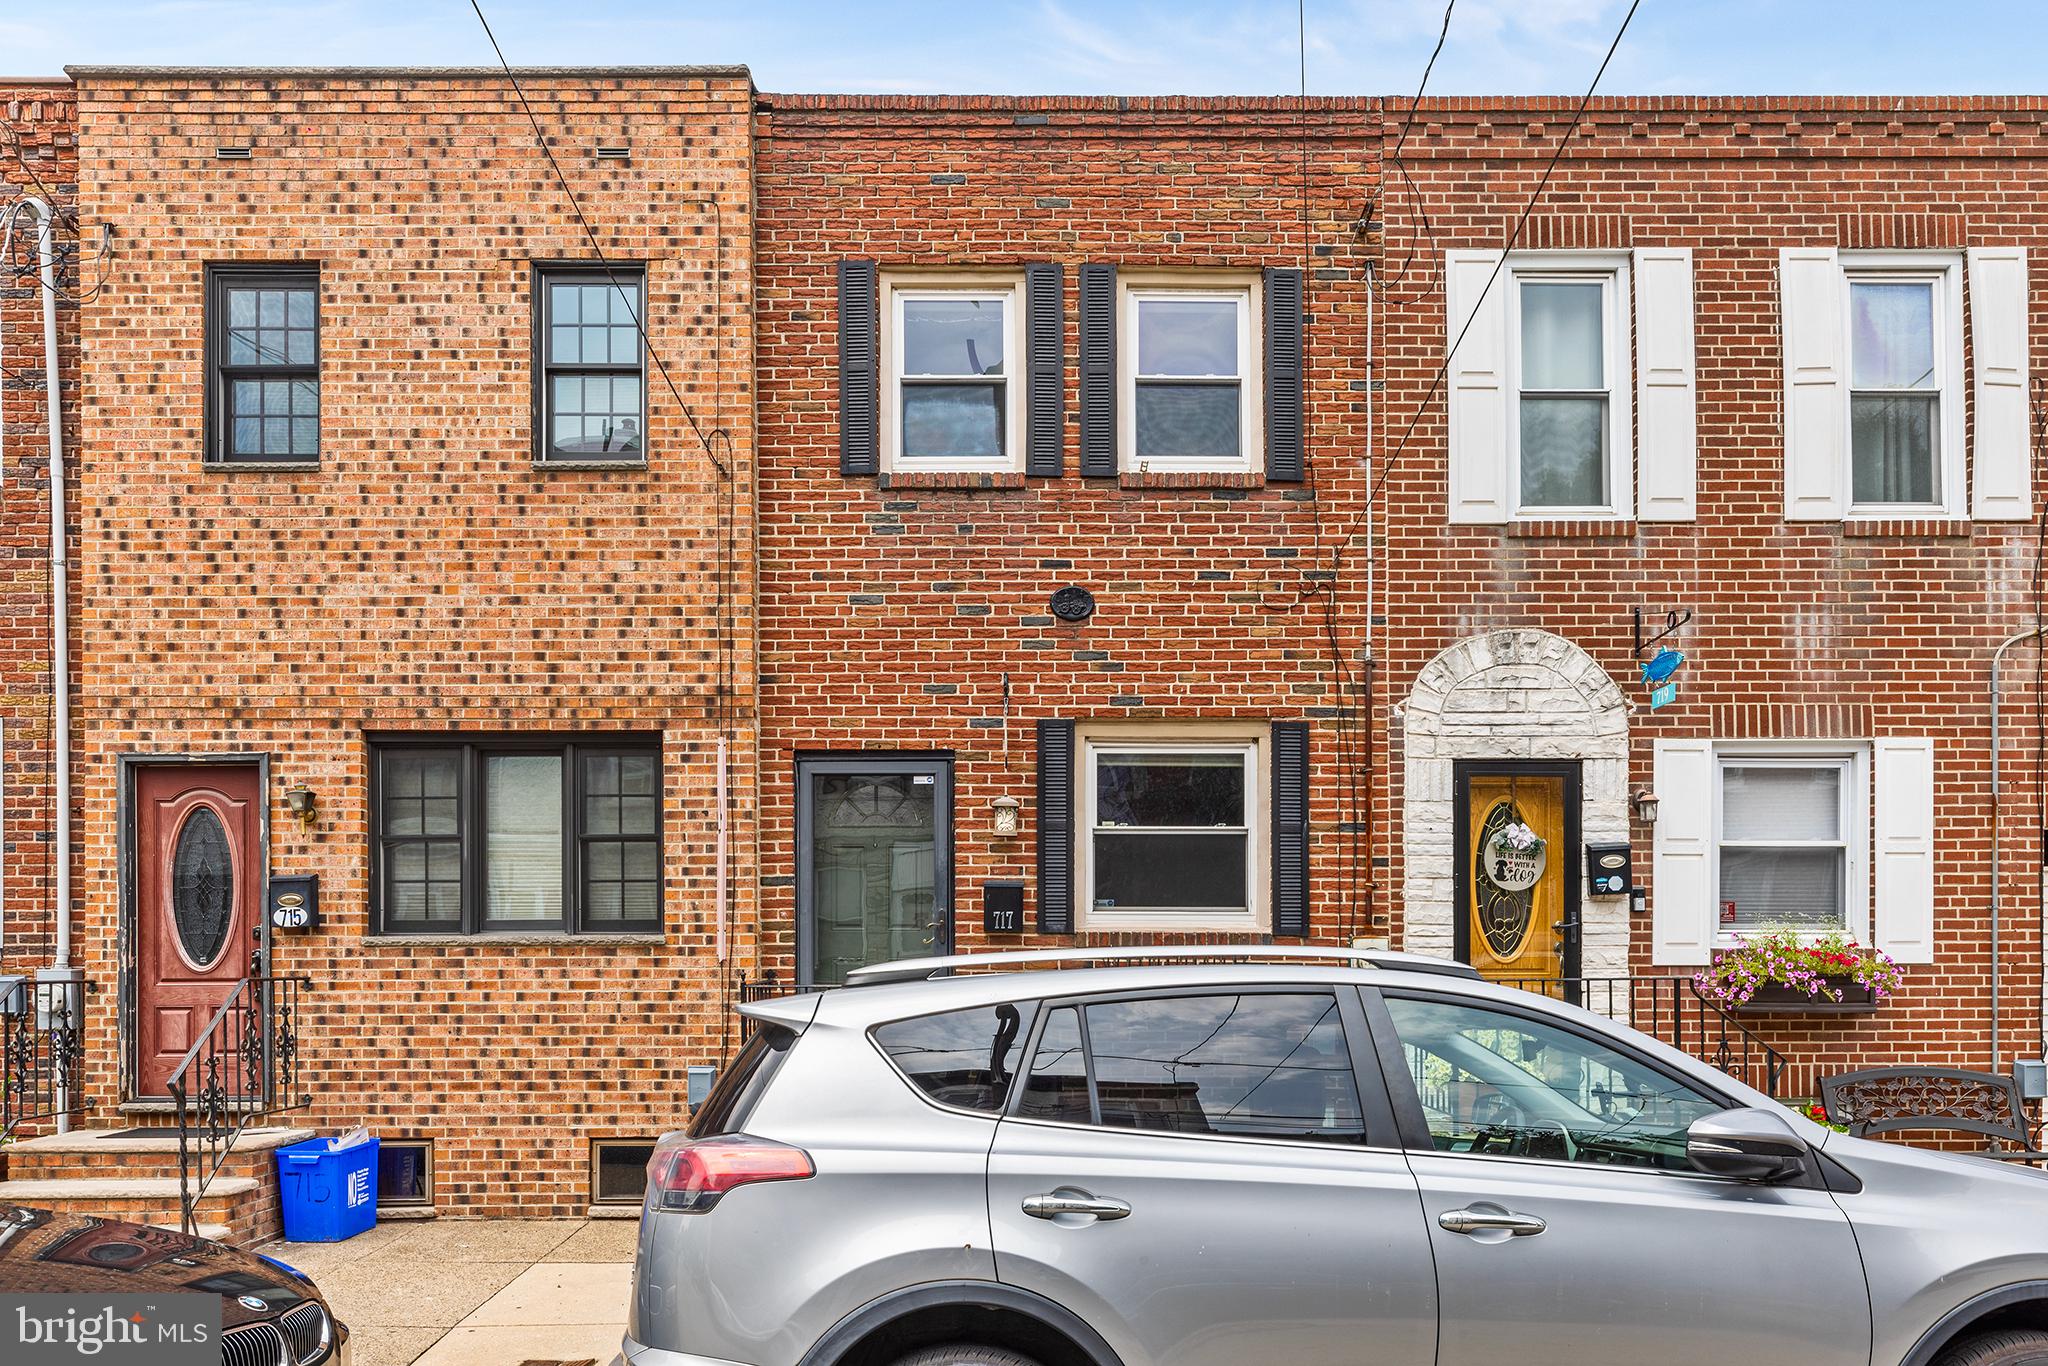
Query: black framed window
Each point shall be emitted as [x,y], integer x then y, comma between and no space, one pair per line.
[504,836]
[590,399]
[263,363]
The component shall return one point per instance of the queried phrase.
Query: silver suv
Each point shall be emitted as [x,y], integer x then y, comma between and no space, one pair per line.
[1325,1158]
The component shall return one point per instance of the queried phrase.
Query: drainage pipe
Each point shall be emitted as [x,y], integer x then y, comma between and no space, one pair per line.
[1997,658]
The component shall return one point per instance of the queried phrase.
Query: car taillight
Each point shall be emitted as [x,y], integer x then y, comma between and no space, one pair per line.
[689,1176]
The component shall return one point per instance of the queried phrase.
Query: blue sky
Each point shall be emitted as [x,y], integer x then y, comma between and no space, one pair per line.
[1099,46]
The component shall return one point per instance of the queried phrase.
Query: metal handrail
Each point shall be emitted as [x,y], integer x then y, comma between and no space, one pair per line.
[1672,1011]
[918,969]
[42,1046]
[246,1064]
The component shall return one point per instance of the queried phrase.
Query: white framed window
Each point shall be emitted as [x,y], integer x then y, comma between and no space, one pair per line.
[1791,834]
[1570,432]
[1903,339]
[952,382]
[1190,374]
[1173,829]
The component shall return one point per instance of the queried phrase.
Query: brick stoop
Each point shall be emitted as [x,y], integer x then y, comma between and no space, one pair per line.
[135,1177]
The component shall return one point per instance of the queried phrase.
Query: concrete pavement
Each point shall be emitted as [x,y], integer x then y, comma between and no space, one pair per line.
[484,1292]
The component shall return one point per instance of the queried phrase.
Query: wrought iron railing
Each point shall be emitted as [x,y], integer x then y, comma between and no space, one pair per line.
[42,1043]
[244,1067]
[1672,1011]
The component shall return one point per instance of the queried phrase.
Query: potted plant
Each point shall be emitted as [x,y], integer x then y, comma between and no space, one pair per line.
[1778,972]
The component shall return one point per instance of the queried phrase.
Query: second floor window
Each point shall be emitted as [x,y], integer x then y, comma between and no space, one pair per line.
[263,349]
[952,399]
[591,405]
[1895,390]
[1565,377]
[1191,357]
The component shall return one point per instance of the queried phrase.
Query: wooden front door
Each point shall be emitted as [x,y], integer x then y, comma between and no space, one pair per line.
[1517,880]
[198,895]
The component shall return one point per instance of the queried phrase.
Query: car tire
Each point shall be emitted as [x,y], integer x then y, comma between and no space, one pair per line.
[965,1354]
[2017,1348]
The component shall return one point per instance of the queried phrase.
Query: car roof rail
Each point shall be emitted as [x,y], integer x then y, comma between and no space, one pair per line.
[919,969]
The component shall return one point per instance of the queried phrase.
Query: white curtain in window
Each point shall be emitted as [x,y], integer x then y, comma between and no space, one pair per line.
[1776,804]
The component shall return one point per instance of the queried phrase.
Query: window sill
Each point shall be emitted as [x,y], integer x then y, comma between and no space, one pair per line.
[650,938]
[1573,529]
[970,481]
[631,465]
[1191,479]
[1894,528]
[1142,922]
[259,466]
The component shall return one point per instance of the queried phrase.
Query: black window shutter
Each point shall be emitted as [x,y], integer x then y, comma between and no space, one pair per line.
[1284,460]
[1098,371]
[860,378]
[1055,827]
[1045,365]
[1290,827]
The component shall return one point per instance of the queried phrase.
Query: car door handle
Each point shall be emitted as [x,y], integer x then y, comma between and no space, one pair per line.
[1055,1203]
[1490,1219]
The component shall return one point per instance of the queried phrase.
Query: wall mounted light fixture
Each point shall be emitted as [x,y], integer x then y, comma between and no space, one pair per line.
[1644,803]
[298,799]
[1003,816]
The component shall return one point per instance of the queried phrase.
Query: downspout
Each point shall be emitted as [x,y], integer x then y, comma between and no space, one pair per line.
[65,979]
[1997,658]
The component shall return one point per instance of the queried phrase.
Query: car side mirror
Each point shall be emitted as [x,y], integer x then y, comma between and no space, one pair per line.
[1747,1145]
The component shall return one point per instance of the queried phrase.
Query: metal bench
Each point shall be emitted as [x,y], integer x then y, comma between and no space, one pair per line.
[1880,1100]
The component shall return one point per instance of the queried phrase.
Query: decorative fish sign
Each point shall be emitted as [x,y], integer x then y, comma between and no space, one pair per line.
[1661,666]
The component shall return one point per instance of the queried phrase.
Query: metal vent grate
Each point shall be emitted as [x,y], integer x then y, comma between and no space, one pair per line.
[613,151]
[232,153]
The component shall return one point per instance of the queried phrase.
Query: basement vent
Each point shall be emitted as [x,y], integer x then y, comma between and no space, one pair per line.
[232,153]
[613,151]
[618,1170]
[405,1172]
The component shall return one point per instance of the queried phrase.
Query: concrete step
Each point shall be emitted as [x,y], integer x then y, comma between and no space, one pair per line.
[115,1152]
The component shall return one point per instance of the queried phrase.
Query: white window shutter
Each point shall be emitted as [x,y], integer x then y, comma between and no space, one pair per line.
[2001,455]
[1816,389]
[1902,807]
[1478,392]
[1667,427]
[1682,863]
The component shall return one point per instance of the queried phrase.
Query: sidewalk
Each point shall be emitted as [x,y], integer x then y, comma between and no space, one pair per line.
[485,1292]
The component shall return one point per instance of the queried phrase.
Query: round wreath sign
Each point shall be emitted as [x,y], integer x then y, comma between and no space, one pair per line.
[1515,858]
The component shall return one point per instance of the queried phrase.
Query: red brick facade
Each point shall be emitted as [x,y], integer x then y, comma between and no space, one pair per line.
[428,578]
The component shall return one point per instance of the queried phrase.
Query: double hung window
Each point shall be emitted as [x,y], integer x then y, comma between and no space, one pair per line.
[264,364]
[591,405]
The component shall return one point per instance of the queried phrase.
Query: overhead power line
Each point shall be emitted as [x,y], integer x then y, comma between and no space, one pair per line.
[697,428]
[1514,237]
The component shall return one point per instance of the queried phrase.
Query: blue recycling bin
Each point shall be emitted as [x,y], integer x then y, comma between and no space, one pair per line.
[328,1196]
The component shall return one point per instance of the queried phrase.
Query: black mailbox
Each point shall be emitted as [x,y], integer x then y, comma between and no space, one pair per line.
[1002,908]
[295,901]
[1608,870]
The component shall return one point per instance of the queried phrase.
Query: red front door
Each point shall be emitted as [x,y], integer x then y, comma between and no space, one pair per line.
[198,892]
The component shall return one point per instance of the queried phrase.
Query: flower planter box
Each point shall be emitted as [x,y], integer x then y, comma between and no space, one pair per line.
[1774,998]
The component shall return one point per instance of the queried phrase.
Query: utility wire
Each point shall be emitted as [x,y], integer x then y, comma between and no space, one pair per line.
[1426,232]
[1514,237]
[590,234]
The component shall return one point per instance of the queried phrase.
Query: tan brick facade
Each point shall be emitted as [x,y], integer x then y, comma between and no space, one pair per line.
[427,576]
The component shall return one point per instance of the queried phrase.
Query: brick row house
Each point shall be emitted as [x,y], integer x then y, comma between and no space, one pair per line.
[1022,522]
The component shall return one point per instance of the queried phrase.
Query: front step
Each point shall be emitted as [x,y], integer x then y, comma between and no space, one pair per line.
[122,1174]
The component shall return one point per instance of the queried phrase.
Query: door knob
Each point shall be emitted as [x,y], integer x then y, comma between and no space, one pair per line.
[1490,1219]
[1055,1203]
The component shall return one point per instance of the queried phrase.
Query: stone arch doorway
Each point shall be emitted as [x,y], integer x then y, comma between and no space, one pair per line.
[1507,698]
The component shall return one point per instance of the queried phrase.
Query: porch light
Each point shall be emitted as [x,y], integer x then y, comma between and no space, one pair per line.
[1644,802]
[298,799]
[1003,815]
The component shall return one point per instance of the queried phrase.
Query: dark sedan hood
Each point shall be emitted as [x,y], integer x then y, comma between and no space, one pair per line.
[42,1251]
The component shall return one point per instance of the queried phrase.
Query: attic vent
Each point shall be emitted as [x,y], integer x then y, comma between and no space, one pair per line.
[612,151]
[232,153]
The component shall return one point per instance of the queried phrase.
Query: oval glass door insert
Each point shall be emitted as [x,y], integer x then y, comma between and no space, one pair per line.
[202,888]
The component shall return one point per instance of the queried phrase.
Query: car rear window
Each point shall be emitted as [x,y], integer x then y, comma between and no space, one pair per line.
[963,1058]
[726,1109]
